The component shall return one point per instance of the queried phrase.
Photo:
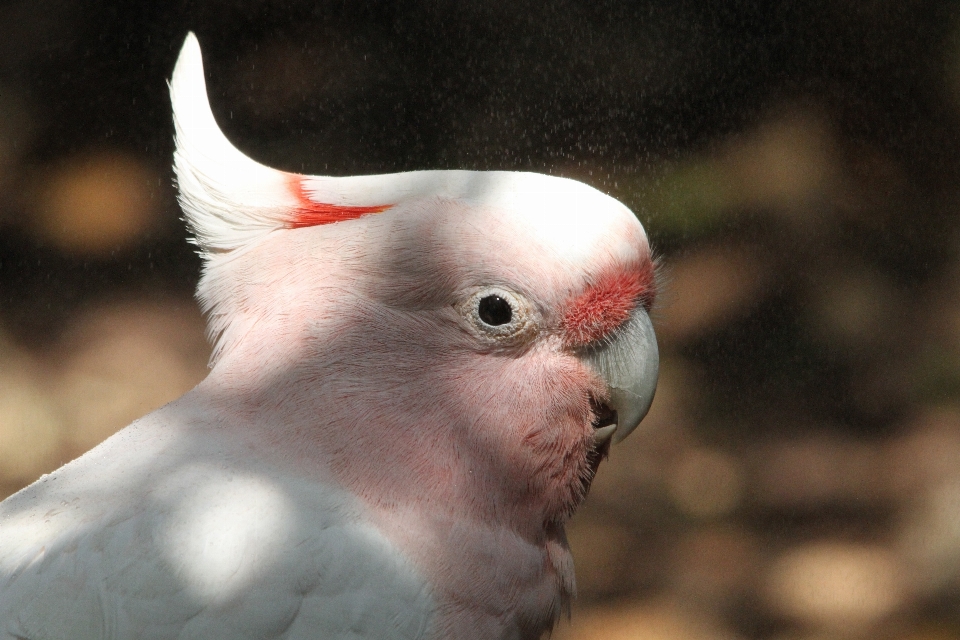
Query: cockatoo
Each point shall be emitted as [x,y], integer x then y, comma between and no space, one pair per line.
[414,378]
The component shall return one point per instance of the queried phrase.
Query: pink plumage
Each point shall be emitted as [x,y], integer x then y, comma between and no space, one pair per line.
[608,303]
[414,379]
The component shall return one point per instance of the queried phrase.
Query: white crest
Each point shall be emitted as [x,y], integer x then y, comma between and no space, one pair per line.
[227,198]
[231,200]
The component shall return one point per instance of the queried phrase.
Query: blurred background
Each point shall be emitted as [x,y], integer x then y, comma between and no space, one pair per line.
[795,163]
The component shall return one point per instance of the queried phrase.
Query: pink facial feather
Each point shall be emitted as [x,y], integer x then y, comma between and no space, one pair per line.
[606,304]
[310,213]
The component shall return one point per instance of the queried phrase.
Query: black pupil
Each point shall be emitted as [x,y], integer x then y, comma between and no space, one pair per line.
[495,311]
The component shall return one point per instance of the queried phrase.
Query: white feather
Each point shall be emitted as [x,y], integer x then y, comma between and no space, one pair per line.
[231,200]
[187,536]
[228,199]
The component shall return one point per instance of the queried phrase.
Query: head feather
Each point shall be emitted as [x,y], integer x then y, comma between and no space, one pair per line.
[228,199]
[232,203]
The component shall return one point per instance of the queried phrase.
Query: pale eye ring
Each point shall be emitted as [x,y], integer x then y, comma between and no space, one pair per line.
[498,313]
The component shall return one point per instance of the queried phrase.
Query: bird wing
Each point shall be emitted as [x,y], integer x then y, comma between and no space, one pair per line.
[142,540]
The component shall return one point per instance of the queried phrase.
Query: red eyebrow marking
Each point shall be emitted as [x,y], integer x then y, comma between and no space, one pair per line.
[310,213]
[607,303]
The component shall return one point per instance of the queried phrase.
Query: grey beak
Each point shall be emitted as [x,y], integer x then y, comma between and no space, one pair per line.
[629,362]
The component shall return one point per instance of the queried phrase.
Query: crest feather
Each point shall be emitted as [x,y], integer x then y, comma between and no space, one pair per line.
[230,200]
[227,198]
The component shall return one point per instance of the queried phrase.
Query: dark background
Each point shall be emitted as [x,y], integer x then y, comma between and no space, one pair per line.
[795,164]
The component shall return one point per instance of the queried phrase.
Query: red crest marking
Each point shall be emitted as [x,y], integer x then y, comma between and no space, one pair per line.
[607,303]
[310,213]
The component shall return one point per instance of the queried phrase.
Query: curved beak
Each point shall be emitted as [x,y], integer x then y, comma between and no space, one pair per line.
[629,362]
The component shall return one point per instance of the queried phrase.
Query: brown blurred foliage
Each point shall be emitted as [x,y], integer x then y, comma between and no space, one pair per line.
[795,163]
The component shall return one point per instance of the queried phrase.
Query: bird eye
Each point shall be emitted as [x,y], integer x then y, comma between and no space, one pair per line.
[498,313]
[494,310]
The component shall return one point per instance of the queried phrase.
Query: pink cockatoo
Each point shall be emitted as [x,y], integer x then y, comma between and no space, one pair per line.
[414,378]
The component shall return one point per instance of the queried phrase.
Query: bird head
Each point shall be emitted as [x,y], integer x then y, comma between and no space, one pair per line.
[486,334]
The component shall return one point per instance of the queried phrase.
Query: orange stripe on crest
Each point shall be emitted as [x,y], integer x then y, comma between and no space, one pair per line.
[607,304]
[310,213]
